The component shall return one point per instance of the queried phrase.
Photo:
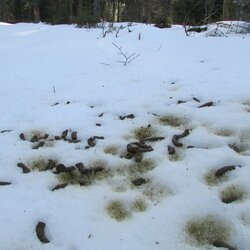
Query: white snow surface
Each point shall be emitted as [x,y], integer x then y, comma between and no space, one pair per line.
[43,67]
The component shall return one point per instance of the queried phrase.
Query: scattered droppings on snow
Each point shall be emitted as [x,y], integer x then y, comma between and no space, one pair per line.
[71,115]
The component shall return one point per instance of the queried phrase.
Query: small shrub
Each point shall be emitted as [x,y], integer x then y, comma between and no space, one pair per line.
[172,120]
[117,211]
[207,230]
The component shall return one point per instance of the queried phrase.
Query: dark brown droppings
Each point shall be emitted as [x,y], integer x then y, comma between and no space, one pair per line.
[129,155]
[132,149]
[220,172]
[139,181]
[130,116]
[91,142]
[40,232]
[138,156]
[4,183]
[6,131]
[60,168]
[229,199]
[98,137]
[223,244]
[196,99]
[171,150]
[64,134]
[176,138]
[80,167]
[23,167]
[153,139]
[59,186]
[38,145]
[185,133]
[208,104]
[181,101]
[175,141]
[34,138]
[22,136]
[74,135]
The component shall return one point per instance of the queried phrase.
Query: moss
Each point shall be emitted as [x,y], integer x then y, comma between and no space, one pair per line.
[238,148]
[172,120]
[143,133]
[39,164]
[178,156]
[232,193]
[42,164]
[117,211]
[155,192]
[212,180]
[113,150]
[139,206]
[224,132]
[141,167]
[96,171]
[208,230]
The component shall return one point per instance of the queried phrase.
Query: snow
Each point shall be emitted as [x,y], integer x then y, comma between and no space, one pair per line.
[43,67]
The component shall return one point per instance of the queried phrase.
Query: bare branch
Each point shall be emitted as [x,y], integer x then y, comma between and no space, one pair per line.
[127,58]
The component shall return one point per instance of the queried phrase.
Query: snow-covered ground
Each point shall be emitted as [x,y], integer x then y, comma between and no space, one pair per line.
[57,78]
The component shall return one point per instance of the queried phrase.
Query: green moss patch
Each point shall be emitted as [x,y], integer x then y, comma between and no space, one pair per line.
[116,210]
[213,180]
[224,132]
[139,205]
[208,230]
[232,194]
[113,150]
[141,167]
[144,132]
[172,120]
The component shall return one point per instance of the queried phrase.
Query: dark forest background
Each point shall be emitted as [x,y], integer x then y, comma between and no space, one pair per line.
[161,12]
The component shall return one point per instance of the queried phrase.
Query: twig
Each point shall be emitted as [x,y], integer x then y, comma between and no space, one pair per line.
[127,58]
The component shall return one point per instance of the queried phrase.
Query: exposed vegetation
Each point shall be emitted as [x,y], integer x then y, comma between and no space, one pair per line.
[224,132]
[144,132]
[232,193]
[212,180]
[139,206]
[141,167]
[117,211]
[208,230]
[173,120]
[113,150]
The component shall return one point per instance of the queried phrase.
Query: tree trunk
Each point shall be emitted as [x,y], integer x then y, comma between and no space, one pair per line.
[36,10]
